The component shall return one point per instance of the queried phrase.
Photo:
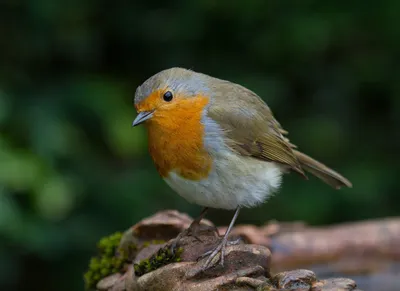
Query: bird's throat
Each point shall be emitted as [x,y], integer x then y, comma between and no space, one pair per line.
[176,140]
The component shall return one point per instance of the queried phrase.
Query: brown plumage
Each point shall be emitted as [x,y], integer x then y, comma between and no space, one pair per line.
[253,131]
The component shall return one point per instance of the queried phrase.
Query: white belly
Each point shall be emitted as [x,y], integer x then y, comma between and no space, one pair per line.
[234,181]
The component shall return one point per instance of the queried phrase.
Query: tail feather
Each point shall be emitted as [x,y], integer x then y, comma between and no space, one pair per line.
[321,171]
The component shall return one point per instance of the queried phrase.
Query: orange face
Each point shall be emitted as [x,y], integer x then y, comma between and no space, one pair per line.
[152,102]
[169,112]
[176,133]
[159,106]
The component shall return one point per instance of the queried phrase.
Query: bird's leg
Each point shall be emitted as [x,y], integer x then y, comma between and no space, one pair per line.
[221,247]
[193,229]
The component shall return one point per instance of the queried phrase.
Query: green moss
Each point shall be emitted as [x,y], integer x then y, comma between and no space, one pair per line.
[118,250]
[110,260]
[163,257]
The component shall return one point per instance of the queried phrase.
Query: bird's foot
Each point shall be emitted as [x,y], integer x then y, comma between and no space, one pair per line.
[212,260]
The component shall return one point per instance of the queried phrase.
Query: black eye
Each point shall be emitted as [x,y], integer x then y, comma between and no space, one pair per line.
[168,96]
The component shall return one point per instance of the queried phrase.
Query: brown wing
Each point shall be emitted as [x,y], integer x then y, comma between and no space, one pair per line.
[250,126]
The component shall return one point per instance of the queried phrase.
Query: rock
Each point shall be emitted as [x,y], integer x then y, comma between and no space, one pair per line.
[247,265]
[241,261]
[294,279]
[366,250]
[147,252]
[164,225]
[165,278]
[337,284]
[174,277]
[305,280]
[239,257]
[108,282]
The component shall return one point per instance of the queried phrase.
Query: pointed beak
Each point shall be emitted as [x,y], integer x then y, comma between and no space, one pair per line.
[142,117]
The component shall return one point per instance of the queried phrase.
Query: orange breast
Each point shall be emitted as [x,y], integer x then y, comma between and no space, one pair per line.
[176,140]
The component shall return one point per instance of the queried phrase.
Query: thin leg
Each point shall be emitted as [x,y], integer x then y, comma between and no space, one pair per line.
[191,230]
[194,227]
[200,217]
[221,247]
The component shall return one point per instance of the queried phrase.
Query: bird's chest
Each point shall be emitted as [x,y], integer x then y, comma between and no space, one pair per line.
[180,149]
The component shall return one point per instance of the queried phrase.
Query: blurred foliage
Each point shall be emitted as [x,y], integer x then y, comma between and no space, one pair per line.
[73,170]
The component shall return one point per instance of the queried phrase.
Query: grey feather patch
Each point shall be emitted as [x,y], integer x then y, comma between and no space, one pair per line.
[179,80]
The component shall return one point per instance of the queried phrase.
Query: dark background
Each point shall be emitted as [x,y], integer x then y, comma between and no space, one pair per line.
[73,170]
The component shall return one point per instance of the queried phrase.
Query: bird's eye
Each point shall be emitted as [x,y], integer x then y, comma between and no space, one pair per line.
[168,96]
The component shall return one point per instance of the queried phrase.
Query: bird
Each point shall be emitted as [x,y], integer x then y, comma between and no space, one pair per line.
[218,145]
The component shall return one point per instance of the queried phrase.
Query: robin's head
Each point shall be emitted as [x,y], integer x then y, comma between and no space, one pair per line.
[169,94]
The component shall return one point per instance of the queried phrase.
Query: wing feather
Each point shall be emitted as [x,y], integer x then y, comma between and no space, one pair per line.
[250,126]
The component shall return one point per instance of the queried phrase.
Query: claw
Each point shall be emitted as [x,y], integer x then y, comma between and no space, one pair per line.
[221,247]
[234,242]
[174,244]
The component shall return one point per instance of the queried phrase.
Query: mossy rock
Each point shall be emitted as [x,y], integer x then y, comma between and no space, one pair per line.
[110,260]
[114,254]
[163,257]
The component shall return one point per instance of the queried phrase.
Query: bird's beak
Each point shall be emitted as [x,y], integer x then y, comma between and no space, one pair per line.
[142,117]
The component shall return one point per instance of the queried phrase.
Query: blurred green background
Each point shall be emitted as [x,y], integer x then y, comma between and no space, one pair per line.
[73,170]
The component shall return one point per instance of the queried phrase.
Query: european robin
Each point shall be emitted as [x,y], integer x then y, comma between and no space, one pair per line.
[217,144]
